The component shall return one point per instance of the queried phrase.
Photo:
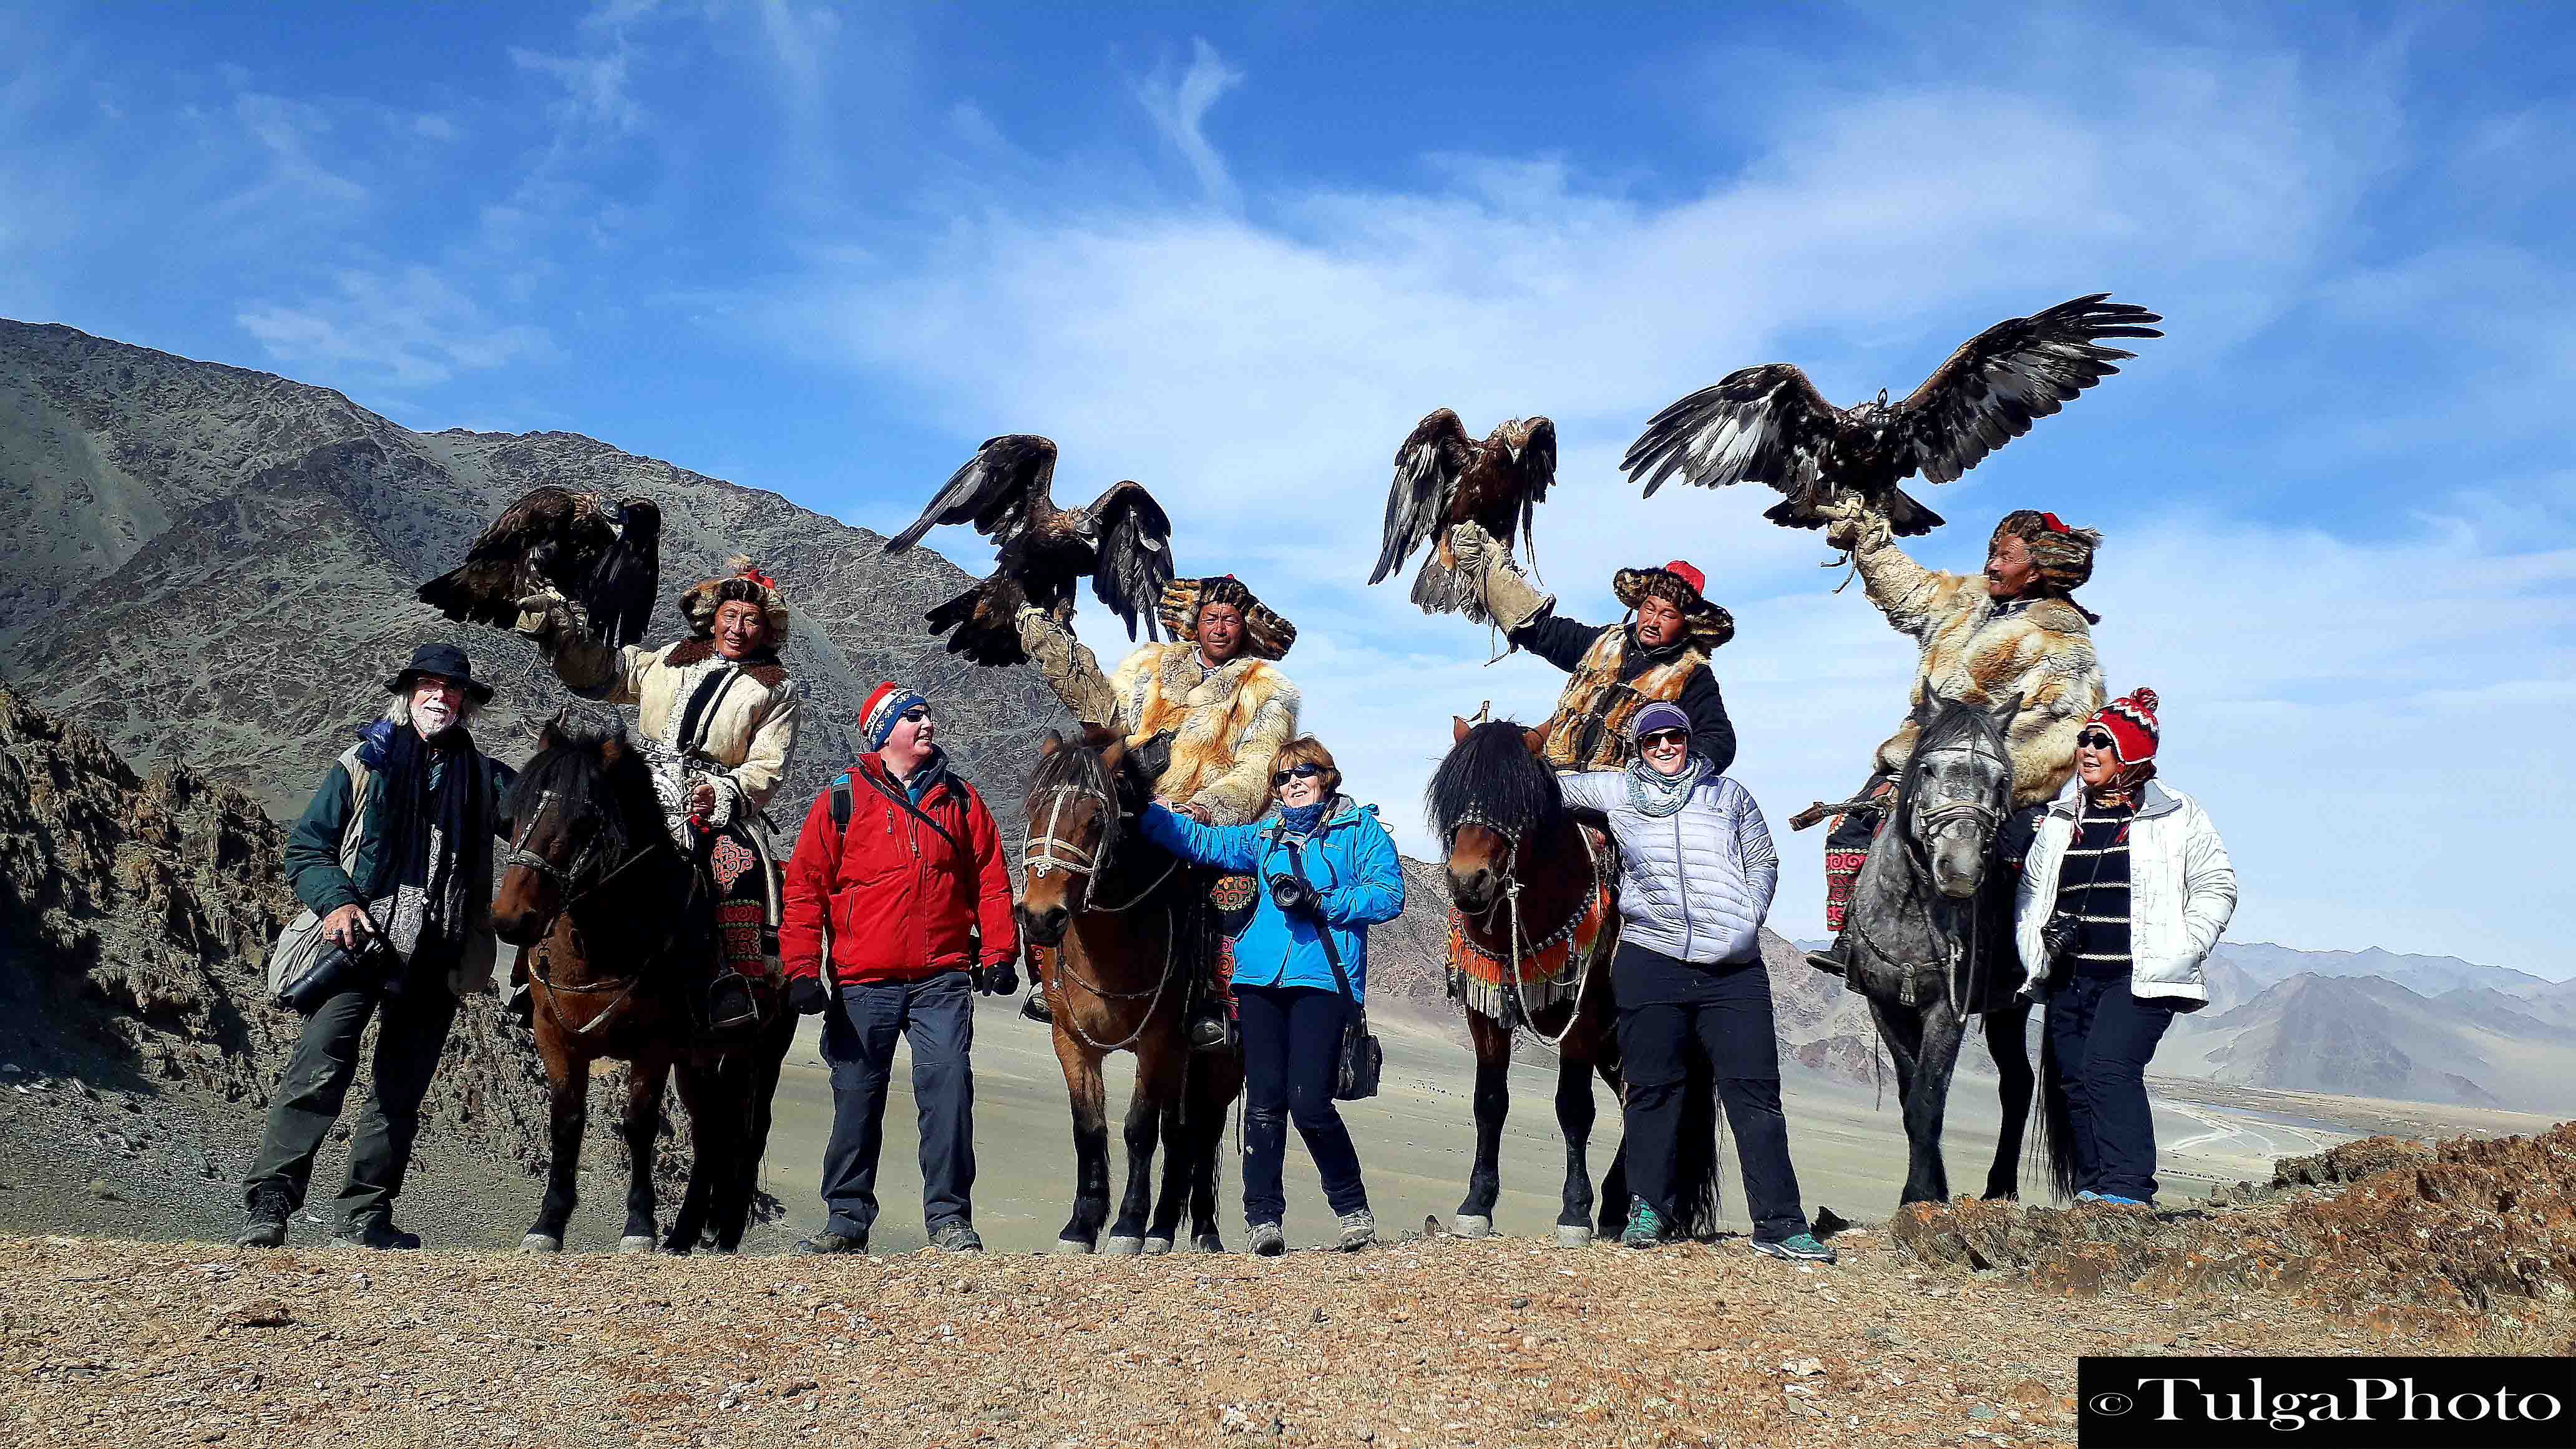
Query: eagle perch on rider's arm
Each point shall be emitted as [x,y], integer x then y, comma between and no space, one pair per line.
[1768,424]
[1444,478]
[603,555]
[1123,541]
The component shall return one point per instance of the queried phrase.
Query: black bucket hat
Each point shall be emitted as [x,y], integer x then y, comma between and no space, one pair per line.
[447,662]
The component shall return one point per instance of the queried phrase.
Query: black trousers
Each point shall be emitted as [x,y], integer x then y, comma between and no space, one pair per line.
[937,1016]
[316,1083]
[1727,1020]
[1292,1047]
[2103,1038]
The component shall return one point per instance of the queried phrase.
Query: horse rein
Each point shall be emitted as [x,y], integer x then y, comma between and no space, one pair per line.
[1510,901]
[567,882]
[1044,852]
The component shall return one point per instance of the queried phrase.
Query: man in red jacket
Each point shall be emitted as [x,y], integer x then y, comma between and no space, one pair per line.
[898,875]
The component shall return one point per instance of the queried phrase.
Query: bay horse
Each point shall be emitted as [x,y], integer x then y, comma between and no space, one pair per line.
[1110,923]
[607,914]
[1929,938]
[1527,883]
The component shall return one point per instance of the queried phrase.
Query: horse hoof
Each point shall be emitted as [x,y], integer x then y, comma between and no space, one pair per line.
[1073,1247]
[540,1243]
[1472,1225]
[1207,1243]
[638,1243]
[1157,1247]
[1122,1246]
[1573,1235]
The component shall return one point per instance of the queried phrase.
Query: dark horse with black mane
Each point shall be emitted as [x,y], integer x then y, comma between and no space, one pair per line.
[1929,940]
[610,918]
[1111,921]
[1533,925]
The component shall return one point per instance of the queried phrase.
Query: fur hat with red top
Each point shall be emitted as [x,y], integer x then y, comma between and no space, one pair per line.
[742,583]
[1683,587]
[2130,720]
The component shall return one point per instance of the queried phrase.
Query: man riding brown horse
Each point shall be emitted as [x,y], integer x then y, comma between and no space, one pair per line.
[1210,709]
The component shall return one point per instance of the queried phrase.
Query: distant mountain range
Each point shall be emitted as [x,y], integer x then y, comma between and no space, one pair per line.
[212,565]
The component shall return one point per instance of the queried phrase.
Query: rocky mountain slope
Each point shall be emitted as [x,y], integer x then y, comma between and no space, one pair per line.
[215,565]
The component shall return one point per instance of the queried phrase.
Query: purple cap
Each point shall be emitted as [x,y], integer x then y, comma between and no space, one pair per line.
[1660,715]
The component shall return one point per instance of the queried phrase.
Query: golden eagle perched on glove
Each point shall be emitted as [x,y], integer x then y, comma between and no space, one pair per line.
[1122,541]
[1769,425]
[603,555]
[1444,478]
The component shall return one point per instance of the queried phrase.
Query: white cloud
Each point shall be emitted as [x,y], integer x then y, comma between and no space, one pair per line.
[1179,106]
[407,330]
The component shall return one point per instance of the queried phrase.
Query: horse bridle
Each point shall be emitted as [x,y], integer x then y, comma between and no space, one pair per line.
[1510,901]
[1932,822]
[1044,852]
[571,891]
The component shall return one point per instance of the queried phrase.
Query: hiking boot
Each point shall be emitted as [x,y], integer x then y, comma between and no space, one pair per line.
[1804,1248]
[729,1002]
[1830,960]
[1210,1031]
[2110,1201]
[1359,1229]
[2088,1195]
[380,1234]
[1645,1226]
[956,1236]
[1268,1241]
[1034,1006]
[267,1225]
[827,1242]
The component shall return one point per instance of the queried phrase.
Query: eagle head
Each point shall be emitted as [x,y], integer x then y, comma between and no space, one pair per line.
[1514,436]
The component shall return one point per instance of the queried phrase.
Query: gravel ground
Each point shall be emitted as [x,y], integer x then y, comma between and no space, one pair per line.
[1433,1341]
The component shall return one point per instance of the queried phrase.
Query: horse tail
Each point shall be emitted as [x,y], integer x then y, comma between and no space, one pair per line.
[1695,1155]
[2055,1139]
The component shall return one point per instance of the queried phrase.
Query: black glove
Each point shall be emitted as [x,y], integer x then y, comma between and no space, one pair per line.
[2057,937]
[1002,979]
[1291,894]
[808,995]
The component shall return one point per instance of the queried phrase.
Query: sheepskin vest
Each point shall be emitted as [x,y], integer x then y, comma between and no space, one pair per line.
[1589,730]
[1226,725]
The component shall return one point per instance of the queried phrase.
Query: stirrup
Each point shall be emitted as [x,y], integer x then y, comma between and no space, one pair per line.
[1034,1007]
[1213,1031]
[1830,960]
[750,1012]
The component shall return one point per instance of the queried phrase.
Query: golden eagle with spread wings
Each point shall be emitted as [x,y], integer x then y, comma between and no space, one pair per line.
[1122,541]
[604,555]
[1769,425]
[1444,478]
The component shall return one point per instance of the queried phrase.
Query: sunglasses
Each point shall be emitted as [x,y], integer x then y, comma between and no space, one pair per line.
[1661,738]
[917,713]
[2096,740]
[1295,772]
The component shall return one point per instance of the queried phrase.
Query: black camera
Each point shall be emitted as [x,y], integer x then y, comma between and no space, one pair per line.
[335,968]
[2057,937]
[1291,894]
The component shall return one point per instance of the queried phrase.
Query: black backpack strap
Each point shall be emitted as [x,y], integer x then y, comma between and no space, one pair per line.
[841,805]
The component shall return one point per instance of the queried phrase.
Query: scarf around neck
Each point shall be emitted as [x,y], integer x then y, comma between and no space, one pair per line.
[431,806]
[1656,795]
[1303,819]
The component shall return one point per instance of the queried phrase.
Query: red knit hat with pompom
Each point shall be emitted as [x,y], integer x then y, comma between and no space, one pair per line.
[2131,721]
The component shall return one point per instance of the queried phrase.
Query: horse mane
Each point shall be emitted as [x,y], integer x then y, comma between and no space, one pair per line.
[1938,730]
[1078,766]
[572,767]
[1491,777]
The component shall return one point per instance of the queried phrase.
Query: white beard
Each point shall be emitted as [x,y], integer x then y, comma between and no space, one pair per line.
[430,717]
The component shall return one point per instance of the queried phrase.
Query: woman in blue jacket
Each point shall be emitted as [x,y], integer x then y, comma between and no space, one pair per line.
[1328,873]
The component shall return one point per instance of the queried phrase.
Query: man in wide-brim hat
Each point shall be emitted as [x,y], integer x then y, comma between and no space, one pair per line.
[1659,652]
[1213,702]
[393,862]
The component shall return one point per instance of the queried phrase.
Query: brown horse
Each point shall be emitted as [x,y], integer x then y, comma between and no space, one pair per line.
[607,912]
[1526,881]
[1110,922]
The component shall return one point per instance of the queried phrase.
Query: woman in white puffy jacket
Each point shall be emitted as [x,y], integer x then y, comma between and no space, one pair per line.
[1696,873]
[2124,892]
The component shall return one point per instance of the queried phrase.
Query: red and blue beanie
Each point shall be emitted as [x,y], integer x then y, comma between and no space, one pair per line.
[884,706]
[2131,722]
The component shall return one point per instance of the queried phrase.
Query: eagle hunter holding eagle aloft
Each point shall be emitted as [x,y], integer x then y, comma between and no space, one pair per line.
[1444,478]
[603,555]
[2016,633]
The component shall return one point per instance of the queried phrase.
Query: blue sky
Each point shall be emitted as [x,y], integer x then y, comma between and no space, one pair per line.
[1235,254]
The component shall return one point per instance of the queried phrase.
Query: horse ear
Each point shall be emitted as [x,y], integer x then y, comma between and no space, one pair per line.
[1925,707]
[1100,737]
[613,749]
[550,734]
[1052,743]
[2004,712]
[1457,730]
[1535,741]
[1114,756]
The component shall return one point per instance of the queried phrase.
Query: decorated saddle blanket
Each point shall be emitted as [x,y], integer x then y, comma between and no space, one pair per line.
[1508,986]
